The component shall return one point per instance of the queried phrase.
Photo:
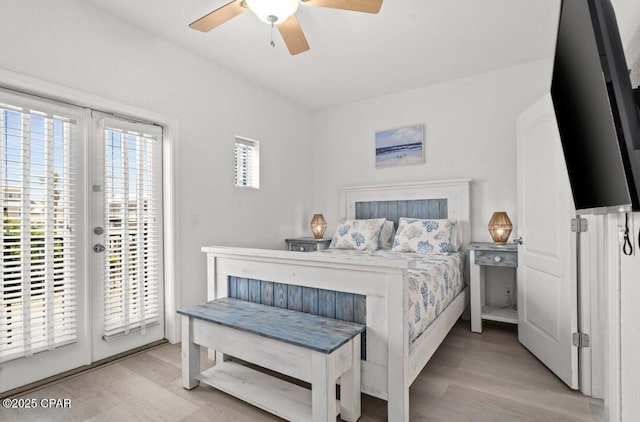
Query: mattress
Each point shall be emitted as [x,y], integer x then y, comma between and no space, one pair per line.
[433,284]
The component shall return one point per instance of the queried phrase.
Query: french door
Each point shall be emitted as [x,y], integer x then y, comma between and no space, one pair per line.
[126,235]
[43,291]
[81,271]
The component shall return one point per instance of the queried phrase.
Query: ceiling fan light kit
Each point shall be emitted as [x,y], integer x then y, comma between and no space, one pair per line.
[280,13]
[273,11]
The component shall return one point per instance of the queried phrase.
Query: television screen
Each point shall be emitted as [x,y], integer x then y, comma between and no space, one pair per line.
[595,109]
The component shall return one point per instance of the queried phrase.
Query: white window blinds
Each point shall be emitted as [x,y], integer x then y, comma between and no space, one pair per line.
[133,213]
[247,163]
[38,274]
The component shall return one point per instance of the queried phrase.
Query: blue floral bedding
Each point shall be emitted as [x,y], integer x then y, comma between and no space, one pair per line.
[433,284]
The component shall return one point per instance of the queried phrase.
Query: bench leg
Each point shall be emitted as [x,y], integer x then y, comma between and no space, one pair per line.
[220,357]
[350,387]
[323,387]
[190,355]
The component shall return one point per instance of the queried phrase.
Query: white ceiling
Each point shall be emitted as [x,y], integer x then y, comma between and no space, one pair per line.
[355,56]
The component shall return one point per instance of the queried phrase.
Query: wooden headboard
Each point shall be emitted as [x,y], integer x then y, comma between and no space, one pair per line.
[437,199]
[413,208]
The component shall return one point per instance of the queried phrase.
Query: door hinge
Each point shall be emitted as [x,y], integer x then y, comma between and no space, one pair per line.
[581,340]
[579,225]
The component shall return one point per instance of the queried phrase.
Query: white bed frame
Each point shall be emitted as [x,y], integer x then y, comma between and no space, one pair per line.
[391,364]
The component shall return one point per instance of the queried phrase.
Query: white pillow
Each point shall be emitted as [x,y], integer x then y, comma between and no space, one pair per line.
[358,234]
[387,234]
[423,236]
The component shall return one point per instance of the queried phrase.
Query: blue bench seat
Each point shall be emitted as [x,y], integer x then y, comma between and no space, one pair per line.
[311,348]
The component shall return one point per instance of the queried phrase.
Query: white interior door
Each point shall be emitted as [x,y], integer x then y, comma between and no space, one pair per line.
[43,291]
[126,264]
[547,300]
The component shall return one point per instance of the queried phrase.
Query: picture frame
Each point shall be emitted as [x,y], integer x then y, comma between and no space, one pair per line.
[402,146]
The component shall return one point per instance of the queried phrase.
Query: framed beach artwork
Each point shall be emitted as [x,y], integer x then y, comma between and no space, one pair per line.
[400,147]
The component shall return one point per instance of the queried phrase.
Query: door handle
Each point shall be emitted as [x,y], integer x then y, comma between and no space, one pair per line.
[98,248]
[518,241]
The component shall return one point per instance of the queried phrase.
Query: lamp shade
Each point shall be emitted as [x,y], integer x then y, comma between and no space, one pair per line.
[318,226]
[273,11]
[500,227]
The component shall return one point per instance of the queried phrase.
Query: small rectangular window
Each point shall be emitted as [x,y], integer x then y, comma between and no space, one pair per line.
[247,163]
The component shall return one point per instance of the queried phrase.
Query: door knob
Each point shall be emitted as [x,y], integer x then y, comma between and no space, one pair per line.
[97,248]
[98,230]
[518,241]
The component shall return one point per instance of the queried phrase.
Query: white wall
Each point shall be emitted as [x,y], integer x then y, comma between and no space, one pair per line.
[630,265]
[70,43]
[628,16]
[470,132]
[630,290]
[630,328]
[630,283]
[632,51]
[622,371]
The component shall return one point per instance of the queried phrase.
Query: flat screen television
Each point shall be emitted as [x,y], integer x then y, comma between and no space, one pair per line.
[596,110]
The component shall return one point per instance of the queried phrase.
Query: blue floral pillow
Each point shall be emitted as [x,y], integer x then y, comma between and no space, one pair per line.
[424,236]
[358,234]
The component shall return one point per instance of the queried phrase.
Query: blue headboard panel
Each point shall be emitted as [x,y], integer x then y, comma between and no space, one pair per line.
[393,210]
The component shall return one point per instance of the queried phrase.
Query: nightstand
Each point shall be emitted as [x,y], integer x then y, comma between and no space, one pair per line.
[307,244]
[483,255]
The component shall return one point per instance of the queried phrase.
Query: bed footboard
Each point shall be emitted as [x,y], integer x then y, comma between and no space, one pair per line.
[374,293]
[379,287]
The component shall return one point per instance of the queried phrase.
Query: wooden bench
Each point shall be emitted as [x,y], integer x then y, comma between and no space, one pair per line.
[310,348]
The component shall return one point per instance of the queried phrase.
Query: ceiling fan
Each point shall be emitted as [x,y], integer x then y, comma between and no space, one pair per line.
[280,13]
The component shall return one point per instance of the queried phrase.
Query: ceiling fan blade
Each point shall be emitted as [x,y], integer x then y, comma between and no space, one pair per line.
[293,36]
[366,6]
[219,16]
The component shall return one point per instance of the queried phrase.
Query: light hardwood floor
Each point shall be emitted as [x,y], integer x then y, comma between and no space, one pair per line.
[472,377]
